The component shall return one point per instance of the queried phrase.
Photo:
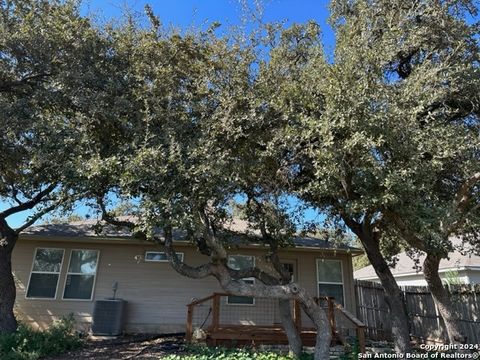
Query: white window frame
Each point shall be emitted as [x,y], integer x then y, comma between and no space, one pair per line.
[248,278]
[330,282]
[179,254]
[44,272]
[70,273]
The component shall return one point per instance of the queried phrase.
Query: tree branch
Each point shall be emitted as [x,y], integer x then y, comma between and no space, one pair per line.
[32,219]
[107,217]
[463,195]
[30,204]
[351,223]
[458,109]
[240,288]
[271,241]
[15,194]
[407,234]
[207,269]
[460,209]
[254,272]
[179,266]
[218,251]
[8,86]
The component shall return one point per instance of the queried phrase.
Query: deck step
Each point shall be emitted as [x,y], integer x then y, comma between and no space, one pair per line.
[246,335]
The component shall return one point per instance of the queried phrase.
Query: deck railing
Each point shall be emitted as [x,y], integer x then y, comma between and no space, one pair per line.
[211,314]
[332,309]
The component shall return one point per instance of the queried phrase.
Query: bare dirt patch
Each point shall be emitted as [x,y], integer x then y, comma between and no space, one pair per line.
[138,347]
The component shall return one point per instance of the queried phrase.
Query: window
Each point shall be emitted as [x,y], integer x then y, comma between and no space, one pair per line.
[290,267]
[80,279]
[156,256]
[47,264]
[330,279]
[241,262]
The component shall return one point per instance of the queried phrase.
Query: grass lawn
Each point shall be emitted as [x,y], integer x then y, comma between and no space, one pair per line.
[205,353]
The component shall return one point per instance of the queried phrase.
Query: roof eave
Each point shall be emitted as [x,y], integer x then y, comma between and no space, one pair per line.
[420,273]
[133,241]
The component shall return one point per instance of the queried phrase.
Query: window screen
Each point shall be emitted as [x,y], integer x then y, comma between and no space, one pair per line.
[80,279]
[159,256]
[241,262]
[330,279]
[47,264]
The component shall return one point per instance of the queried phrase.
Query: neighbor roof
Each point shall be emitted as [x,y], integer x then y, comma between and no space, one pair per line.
[406,265]
[90,229]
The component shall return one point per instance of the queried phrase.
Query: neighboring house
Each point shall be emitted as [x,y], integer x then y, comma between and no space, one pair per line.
[64,268]
[458,268]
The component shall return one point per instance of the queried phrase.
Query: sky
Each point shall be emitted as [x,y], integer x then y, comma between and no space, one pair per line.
[185,14]
[188,13]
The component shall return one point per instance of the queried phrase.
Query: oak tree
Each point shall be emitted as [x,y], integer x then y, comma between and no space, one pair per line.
[181,161]
[383,135]
[51,64]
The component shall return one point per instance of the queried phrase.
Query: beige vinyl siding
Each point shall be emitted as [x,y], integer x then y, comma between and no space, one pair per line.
[157,296]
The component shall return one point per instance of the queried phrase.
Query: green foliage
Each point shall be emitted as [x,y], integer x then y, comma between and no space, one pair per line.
[207,353]
[63,219]
[352,354]
[125,208]
[452,278]
[385,133]
[28,344]
[381,137]
[54,71]
[360,262]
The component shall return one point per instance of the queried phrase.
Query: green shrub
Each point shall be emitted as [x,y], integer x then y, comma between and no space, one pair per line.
[29,344]
[206,353]
[353,353]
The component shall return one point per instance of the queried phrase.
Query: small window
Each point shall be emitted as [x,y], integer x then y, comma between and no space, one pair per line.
[47,264]
[80,279]
[240,262]
[158,256]
[330,279]
[291,270]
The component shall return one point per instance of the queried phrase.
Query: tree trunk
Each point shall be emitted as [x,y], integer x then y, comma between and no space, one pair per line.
[8,324]
[285,292]
[442,299]
[324,333]
[293,334]
[394,296]
[314,311]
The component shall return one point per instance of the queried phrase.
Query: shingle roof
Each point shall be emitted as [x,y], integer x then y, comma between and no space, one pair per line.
[89,229]
[406,265]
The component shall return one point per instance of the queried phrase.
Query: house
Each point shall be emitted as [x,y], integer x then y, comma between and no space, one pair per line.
[64,268]
[458,268]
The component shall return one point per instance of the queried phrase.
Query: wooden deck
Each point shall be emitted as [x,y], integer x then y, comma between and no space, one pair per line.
[226,333]
[235,335]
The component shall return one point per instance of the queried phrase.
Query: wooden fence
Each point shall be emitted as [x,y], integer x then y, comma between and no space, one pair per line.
[424,320]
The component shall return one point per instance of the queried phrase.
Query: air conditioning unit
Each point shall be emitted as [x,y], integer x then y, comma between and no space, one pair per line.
[108,317]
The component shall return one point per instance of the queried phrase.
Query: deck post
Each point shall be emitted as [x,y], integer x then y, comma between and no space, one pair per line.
[297,314]
[331,316]
[189,332]
[215,311]
[361,338]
